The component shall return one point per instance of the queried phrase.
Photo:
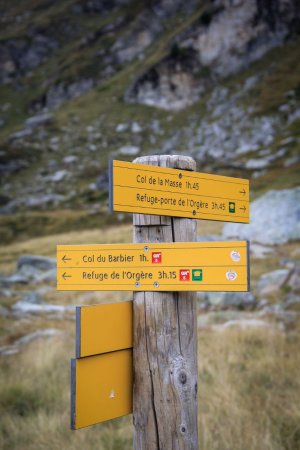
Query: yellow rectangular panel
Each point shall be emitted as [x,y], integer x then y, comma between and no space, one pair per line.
[144,189]
[103,328]
[174,266]
[101,388]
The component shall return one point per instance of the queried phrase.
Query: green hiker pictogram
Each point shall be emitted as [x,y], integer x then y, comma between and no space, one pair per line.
[231,207]
[197,275]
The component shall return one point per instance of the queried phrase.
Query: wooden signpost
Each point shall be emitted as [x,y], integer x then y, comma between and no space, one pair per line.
[141,357]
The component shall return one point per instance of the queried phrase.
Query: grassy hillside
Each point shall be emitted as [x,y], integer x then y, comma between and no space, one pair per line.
[84,128]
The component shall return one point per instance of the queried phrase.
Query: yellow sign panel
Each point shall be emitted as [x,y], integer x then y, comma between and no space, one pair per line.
[147,189]
[103,328]
[101,388]
[175,266]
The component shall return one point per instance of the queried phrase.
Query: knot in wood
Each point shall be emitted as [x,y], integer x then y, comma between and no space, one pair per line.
[182,377]
[182,428]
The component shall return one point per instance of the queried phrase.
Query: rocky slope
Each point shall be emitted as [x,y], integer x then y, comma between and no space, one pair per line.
[85,81]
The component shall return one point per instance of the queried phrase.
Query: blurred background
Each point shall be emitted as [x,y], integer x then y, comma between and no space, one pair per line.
[82,82]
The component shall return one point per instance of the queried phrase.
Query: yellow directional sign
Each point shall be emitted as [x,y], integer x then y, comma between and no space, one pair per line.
[103,328]
[145,189]
[101,388]
[197,266]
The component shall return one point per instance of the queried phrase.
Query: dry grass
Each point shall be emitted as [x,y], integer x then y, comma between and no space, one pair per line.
[249,390]
[47,245]
[249,384]
[34,404]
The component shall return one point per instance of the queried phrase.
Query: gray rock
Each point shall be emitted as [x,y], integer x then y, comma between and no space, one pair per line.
[292,302]
[261,163]
[243,324]
[263,303]
[208,238]
[4,312]
[42,201]
[21,308]
[285,318]
[271,282]
[49,332]
[60,92]
[223,300]
[27,339]
[102,181]
[121,127]
[13,279]
[92,147]
[11,167]
[275,279]
[33,298]
[136,128]
[58,176]
[5,293]
[42,263]
[260,251]
[70,159]
[47,277]
[232,39]
[292,160]
[275,219]
[294,280]
[9,350]
[212,318]
[38,120]
[21,134]
[129,150]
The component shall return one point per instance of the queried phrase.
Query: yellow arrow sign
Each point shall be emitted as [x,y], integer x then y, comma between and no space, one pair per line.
[198,266]
[103,328]
[101,388]
[147,189]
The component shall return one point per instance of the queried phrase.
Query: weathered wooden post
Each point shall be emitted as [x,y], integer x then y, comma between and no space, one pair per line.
[165,342]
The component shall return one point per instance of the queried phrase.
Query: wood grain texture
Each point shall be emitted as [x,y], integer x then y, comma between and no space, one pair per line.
[165,342]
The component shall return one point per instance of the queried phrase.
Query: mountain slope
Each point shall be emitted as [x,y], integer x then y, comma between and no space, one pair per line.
[222,80]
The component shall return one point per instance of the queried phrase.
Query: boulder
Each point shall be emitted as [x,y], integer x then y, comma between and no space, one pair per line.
[32,297]
[223,300]
[27,339]
[274,219]
[259,163]
[275,279]
[294,280]
[59,176]
[16,278]
[243,324]
[70,159]
[42,263]
[3,311]
[40,119]
[48,332]
[292,302]
[121,127]
[260,251]
[136,128]
[22,307]
[129,150]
